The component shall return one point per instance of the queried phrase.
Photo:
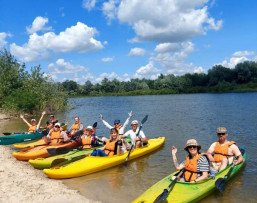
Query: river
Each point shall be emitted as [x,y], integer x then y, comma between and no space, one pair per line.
[178,118]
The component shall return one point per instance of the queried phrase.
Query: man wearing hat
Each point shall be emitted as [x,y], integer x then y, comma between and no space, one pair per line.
[221,153]
[117,124]
[196,166]
[139,140]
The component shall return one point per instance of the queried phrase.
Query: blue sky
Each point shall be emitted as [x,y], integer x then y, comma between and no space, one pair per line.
[91,39]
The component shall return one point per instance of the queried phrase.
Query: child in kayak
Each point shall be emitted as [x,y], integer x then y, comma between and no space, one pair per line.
[196,166]
[112,146]
[33,125]
[89,139]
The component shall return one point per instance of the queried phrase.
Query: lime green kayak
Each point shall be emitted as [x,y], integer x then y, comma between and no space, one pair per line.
[91,164]
[62,159]
[185,191]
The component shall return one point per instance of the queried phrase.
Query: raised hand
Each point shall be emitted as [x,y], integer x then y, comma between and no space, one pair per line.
[21,116]
[173,150]
[101,116]
[130,114]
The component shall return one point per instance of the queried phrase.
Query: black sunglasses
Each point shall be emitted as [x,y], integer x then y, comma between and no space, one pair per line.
[57,126]
[192,147]
[221,134]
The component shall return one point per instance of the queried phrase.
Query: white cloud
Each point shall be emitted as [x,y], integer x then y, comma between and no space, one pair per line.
[239,57]
[147,71]
[63,67]
[198,70]
[110,9]
[109,76]
[137,52]
[88,4]
[79,38]
[38,25]
[107,59]
[3,37]
[171,57]
[166,21]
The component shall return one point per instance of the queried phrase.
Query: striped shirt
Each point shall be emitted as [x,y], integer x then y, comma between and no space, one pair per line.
[203,164]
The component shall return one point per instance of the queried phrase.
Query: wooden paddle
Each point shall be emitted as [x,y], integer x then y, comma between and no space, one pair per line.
[163,196]
[132,145]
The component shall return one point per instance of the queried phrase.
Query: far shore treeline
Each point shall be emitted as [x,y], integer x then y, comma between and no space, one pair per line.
[22,91]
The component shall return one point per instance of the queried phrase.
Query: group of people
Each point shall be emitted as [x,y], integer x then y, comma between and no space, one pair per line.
[118,141]
[199,166]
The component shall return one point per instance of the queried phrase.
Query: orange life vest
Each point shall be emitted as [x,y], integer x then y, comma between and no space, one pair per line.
[75,126]
[32,129]
[86,142]
[221,151]
[109,148]
[190,173]
[56,137]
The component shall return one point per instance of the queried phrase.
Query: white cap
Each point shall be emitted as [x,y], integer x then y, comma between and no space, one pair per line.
[89,127]
[57,124]
[134,122]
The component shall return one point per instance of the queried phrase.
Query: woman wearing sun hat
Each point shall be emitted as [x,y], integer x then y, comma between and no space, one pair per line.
[196,166]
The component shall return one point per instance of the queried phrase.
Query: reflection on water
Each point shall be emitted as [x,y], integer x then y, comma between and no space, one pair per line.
[178,118]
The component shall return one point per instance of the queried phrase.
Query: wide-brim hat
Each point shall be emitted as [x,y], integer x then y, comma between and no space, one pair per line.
[192,142]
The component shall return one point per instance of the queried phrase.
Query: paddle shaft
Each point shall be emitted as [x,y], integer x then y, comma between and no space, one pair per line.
[167,190]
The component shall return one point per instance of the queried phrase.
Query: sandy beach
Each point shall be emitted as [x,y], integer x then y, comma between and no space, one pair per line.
[20,182]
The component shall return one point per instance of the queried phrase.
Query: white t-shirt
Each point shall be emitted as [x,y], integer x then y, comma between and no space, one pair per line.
[133,134]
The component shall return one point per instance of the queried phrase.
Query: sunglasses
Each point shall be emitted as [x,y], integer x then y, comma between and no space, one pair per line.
[194,147]
[57,126]
[221,134]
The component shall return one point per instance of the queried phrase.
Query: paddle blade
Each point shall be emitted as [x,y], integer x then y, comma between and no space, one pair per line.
[95,125]
[57,151]
[220,184]
[6,133]
[144,119]
[162,196]
[57,161]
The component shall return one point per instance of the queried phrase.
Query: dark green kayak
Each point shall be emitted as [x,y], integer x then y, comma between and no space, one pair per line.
[19,137]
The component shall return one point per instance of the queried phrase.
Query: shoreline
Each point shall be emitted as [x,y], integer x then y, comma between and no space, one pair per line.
[20,182]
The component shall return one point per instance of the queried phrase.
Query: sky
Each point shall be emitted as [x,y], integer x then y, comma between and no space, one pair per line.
[84,40]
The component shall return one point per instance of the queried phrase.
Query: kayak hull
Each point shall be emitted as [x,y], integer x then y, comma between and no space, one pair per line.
[184,191]
[40,151]
[21,137]
[28,144]
[91,164]
[42,163]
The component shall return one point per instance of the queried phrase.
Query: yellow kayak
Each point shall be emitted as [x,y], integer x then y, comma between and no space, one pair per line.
[30,144]
[93,164]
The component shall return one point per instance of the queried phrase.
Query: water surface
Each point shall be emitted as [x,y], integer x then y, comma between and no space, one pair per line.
[178,118]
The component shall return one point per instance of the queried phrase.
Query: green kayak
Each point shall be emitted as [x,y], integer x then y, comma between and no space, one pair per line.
[62,159]
[185,191]
[19,137]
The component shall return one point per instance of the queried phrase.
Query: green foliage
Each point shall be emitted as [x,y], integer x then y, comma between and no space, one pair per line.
[28,92]
[218,79]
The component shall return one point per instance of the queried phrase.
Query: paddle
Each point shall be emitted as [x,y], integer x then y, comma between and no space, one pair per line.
[163,196]
[221,182]
[132,145]
[64,150]
[8,133]
[63,161]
